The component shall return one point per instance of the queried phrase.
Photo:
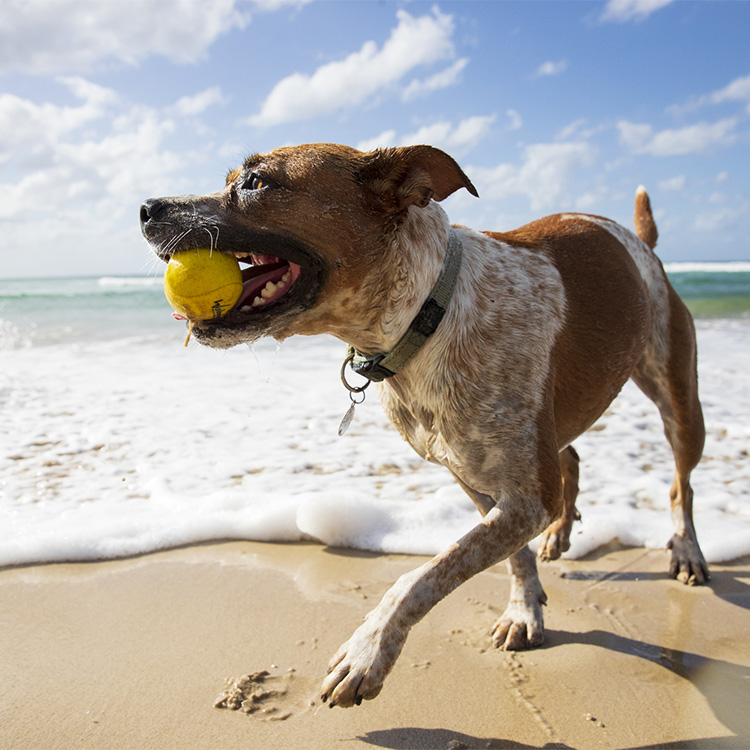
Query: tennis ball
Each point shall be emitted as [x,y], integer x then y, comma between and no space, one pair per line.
[202,284]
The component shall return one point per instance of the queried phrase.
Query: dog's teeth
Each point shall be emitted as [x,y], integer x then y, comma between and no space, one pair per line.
[258,301]
[245,308]
[268,290]
[286,277]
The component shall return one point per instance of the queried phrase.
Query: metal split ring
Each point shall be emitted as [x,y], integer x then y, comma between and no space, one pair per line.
[348,386]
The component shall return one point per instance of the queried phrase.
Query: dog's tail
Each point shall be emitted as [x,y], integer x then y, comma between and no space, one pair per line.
[645,226]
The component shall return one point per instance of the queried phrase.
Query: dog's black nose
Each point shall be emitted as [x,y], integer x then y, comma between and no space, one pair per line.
[150,210]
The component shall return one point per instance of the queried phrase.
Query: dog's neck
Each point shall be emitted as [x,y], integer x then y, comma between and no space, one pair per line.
[387,364]
[410,264]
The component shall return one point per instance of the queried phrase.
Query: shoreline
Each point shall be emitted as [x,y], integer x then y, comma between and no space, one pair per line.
[133,653]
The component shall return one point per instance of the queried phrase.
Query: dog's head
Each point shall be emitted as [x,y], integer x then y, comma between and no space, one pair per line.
[313,225]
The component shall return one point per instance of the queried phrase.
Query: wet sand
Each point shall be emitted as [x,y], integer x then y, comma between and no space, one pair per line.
[134,654]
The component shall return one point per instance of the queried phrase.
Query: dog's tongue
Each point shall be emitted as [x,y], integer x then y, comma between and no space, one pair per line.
[267,268]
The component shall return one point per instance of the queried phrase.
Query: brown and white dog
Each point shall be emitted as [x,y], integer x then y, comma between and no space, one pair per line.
[544,326]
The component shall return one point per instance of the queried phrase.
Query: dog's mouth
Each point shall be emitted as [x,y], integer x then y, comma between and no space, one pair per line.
[266,281]
[280,280]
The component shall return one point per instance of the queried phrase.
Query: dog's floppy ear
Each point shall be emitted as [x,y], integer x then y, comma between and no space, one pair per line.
[413,175]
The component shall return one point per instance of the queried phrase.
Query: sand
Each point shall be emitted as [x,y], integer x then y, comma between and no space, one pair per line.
[134,654]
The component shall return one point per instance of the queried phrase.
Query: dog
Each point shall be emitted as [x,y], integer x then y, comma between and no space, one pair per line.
[492,351]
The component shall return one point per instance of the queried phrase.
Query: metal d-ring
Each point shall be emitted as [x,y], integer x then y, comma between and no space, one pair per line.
[348,386]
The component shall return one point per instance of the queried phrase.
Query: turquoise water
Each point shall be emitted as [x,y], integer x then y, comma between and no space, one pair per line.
[38,312]
[709,290]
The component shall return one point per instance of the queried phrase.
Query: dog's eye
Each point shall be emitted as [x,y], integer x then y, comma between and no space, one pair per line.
[257,181]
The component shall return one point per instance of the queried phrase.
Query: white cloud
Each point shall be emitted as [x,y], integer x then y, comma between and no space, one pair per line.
[576,129]
[692,139]
[361,75]
[516,121]
[570,130]
[50,36]
[737,90]
[543,176]
[75,174]
[448,77]
[551,68]
[94,156]
[462,138]
[386,139]
[44,124]
[190,106]
[627,10]
[443,135]
[673,184]
[720,219]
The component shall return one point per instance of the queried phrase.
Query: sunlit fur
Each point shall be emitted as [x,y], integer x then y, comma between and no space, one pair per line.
[546,324]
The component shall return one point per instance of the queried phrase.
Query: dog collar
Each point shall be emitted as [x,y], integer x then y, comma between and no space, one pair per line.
[378,367]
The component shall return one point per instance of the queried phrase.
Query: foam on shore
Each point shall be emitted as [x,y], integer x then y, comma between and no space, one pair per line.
[113,448]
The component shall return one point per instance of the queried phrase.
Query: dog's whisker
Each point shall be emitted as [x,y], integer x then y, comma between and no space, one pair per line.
[176,240]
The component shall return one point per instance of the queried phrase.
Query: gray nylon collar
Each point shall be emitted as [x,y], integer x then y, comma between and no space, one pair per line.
[378,367]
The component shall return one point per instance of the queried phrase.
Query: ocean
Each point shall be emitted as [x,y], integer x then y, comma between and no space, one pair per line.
[117,440]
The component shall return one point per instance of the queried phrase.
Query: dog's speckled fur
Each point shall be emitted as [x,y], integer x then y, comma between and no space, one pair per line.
[546,324]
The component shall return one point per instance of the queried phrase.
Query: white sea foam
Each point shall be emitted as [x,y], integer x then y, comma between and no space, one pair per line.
[119,282]
[112,448]
[734,266]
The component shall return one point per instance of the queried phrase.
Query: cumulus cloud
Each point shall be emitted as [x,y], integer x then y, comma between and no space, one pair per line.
[516,122]
[718,219]
[196,104]
[628,10]
[692,139]
[98,151]
[386,139]
[50,36]
[456,139]
[44,124]
[737,90]
[414,42]
[551,68]
[77,170]
[673,184]
[543,175]
[448,77]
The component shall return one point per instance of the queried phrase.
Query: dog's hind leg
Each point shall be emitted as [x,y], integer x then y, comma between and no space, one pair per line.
[521,626]
[667,374]
[556,537]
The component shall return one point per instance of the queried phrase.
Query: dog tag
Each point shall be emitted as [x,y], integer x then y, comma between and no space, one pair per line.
[347,420]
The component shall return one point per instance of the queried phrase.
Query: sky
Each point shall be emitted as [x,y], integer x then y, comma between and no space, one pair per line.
[549,106]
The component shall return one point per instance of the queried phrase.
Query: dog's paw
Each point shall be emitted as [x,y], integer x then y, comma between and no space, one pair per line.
[553,542]
[521,626]
[687,564]
[556,537]
[360,666]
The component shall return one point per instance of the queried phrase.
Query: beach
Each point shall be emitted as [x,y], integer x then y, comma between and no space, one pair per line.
[172,518]
[133,654]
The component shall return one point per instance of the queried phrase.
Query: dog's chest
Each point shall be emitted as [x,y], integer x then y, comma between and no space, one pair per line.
[416,425]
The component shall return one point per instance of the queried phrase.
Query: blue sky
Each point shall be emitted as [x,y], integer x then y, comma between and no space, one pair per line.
[549,106]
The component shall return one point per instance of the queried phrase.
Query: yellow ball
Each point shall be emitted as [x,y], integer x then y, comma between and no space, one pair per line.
[202,284]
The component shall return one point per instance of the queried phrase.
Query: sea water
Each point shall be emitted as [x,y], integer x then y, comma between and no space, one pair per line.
[117,440]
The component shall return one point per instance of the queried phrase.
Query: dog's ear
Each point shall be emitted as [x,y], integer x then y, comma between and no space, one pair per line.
[413,175]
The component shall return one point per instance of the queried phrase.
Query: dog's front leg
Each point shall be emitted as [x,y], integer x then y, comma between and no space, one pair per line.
[521,626]
[360,666]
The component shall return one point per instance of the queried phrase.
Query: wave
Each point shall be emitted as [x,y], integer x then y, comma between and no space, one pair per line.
[731,266]
[130,281]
